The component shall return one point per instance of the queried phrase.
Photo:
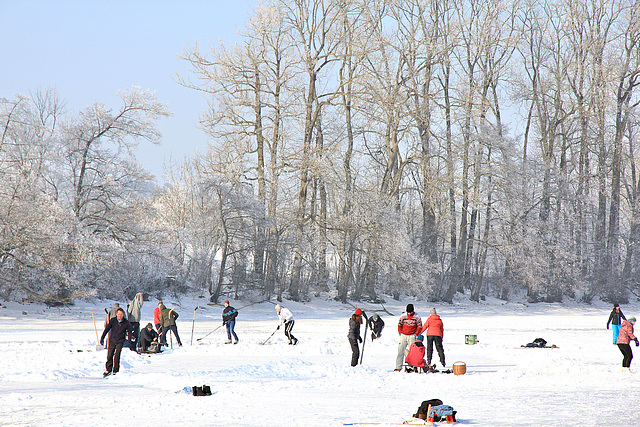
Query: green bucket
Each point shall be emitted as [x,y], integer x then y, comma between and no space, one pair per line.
[471,339]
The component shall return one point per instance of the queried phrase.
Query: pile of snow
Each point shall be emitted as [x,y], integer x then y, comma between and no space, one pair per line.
[52,372]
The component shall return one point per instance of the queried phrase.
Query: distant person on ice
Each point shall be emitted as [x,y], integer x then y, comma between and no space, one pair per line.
[409,326]
[168,318]
[147,336]
[286,319]
[615,318]
[111,314]
[376,324]
[625,337]
[435,332]
[133,314]
[119,330]
[229,315]
[157,317]
[354,336]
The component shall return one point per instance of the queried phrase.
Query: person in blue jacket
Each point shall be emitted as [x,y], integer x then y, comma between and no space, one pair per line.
[615,318]
[229,315]
[121,336]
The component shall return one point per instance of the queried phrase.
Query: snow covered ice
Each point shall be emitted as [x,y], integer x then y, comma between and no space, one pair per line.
[52,374]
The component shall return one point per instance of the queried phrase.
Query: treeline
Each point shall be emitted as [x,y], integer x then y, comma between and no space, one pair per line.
[361,148]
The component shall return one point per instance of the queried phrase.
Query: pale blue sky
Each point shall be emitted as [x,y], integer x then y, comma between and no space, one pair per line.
[89,49]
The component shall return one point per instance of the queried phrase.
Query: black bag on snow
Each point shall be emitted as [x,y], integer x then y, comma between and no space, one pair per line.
[424,407]
[205,390]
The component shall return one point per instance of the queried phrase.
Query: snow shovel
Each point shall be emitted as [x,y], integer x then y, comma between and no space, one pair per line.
[98,346]
[364,340]
[265,341]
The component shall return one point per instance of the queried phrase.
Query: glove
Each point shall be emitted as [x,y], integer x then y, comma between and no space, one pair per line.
[637,343]
[360,340]
[102,341]
[278,327]
[127,344]
[224,323]
[607,326]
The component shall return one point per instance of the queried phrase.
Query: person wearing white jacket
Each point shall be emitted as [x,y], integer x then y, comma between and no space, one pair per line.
[133,313]
[286,318]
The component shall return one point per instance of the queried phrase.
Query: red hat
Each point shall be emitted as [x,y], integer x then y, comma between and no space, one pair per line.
[226,301]
[358,312]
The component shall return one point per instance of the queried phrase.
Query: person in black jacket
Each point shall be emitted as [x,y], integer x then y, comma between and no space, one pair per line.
[354,335]
[615,318]
[376,324]
[147,336]
[120,336]
[229,315]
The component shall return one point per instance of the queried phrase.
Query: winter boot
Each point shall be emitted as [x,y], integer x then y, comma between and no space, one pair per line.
[106,374]
[227,342]
[295,341]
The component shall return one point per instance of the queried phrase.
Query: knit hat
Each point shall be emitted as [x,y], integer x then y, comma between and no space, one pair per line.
[616,305]
[410,308]
[226,301]
[631,319]
[358,312]
[277,307]
[433,311]
[149,325]
[420,338]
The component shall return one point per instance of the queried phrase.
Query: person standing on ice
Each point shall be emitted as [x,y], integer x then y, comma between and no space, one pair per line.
[625,337]
[168,318]
[120,334]
[354,336]
[229,315]
[286,319]
[157,317]
[435,332]
[133,314]
[615,318]
[111,314]
[409,326]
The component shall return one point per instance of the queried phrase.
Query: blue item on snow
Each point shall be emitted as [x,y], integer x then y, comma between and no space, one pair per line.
[441,411]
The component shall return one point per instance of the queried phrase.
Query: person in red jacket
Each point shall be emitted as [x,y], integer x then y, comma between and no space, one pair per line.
[415,357]
[409,326]
[435,332]
[157,320]
[624,338]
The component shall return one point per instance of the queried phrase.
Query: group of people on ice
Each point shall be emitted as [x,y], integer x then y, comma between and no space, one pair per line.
[125,332]
[411,348]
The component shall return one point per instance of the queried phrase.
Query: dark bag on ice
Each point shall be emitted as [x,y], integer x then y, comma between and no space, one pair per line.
[424,407]
[154,347]
[538,342]
[205,390]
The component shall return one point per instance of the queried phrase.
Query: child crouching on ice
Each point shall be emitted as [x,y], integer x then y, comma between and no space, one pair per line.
[415,357]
